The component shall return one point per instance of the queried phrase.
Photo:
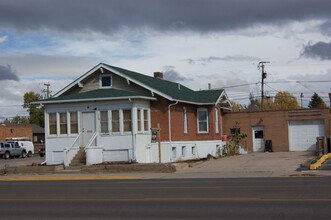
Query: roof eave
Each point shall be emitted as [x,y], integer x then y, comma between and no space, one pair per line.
[96,99]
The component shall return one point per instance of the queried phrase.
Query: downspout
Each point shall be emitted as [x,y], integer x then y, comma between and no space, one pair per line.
[134,134]
[169,124]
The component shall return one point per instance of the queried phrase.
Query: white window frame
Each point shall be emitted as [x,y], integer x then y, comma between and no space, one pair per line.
[206,120]
[48,122]
[185,120]
[107,132]
[100,81]
[111,121]
[216,122]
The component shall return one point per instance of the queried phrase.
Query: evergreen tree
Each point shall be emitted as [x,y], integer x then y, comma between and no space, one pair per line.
[316,101]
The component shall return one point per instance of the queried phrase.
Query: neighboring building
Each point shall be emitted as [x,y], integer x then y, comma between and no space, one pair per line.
[110,112]
[288,130]
[38,137]
[9,131]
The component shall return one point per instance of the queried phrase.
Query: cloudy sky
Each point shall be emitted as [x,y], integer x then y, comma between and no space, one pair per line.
[194,42]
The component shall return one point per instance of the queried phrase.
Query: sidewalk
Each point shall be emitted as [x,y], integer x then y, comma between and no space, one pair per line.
[282,164]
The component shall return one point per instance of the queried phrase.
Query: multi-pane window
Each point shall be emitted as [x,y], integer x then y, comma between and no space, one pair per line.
[202,120]
[115,121]
[73,123]
[127,120]
[63,123]
[146,128]
[139,123]
[52,123]
[104,121]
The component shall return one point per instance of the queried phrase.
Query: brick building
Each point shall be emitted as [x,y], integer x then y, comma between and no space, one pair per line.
[111,113]
[288,130]
[15,131]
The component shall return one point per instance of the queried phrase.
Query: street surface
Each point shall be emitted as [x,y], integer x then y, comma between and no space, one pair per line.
[237,198]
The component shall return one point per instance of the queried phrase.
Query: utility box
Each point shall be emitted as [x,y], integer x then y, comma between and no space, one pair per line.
[268,146]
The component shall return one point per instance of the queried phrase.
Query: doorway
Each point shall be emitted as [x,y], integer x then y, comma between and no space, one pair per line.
[88,127]
[258,139]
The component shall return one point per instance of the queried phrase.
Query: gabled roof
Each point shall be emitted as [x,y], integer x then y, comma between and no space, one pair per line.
[170,90]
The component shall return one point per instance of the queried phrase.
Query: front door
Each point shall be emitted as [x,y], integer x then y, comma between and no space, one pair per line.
[88,126]
[258,139]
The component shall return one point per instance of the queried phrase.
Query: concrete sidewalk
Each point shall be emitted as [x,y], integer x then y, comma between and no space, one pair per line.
[241,166]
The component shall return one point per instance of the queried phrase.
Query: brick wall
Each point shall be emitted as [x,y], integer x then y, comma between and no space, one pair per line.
[15,131]
[275,124]
[159,115]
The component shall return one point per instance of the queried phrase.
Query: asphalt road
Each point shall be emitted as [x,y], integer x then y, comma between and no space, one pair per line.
[247,198]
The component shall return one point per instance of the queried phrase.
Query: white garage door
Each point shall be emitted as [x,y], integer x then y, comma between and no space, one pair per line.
[302,134]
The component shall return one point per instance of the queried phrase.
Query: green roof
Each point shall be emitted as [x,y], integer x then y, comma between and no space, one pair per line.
[171,90]
[97,94]
[175,90]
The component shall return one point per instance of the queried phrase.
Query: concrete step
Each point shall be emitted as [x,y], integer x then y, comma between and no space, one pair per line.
[77,164]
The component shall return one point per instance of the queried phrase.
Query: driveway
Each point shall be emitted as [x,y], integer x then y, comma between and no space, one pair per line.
[249,165]
[21,161]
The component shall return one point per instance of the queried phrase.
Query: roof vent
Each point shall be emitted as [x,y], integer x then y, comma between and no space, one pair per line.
[158,75]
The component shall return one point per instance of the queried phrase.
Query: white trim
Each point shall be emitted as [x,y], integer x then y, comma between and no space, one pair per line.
[207,120]
[97,99]
[185,119]
[100,81]
[216,121]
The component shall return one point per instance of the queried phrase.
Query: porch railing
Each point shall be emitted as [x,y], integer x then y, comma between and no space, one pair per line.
[70,152]
[93,138]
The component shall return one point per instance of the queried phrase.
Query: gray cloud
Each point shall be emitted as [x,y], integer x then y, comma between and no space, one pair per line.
[6,73]
[325,28]
[172,75]
[204,60]
[109,16]
[319,50]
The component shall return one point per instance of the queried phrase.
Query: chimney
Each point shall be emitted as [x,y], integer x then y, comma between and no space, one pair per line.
[209,86]
[158,75]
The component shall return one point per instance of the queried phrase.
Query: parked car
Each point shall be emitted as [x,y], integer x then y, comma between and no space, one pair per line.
[10,150]
[24,143]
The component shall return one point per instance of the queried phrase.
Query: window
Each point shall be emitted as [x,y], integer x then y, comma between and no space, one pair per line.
[173,150]
[146,127]
[73,123]
[216,121]
[139,119]
[234,131]
[202,120]
[194,151]
[105,81]
[115,121]
[52,123]
[104,121]
[63,123]
[127,120]
[185,120]
[183,151]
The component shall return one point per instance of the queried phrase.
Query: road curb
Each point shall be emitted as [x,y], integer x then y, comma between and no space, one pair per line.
[69,178]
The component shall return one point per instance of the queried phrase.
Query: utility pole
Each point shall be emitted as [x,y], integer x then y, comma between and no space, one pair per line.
[264,76]
[301,96]
[47,91]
